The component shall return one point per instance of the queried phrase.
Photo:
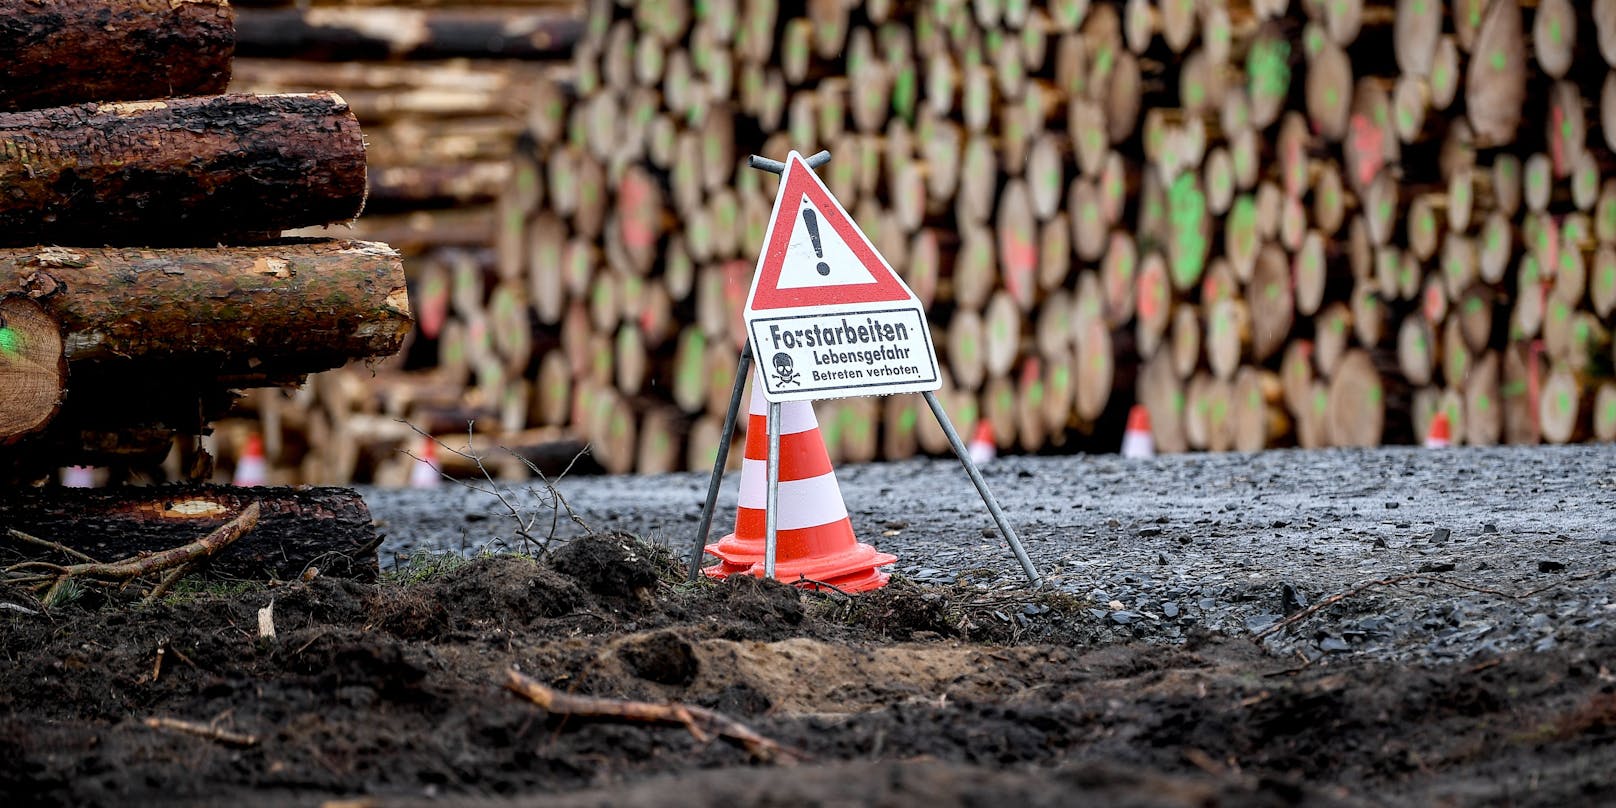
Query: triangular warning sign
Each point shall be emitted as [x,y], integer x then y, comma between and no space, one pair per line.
[814,255]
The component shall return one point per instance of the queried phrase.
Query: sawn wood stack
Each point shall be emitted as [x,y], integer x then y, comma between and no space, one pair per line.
[113,132]
[1273,222]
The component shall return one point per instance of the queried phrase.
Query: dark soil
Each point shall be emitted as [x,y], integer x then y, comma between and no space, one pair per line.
[942,695]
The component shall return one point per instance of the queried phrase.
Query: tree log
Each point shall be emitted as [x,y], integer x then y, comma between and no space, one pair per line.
[186,171]
[294,307]
[71,51]
[344,34]
[33,370]
[328,528]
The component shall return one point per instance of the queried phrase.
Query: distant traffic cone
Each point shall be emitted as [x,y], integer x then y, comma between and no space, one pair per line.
[1439,436]
[814,536]
[981,448]
[78,477]
[1136,439]
[251,467]
[426,473]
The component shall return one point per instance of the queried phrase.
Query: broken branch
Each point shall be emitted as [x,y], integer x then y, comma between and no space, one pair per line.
[212,733]
[700,721]
[177,559]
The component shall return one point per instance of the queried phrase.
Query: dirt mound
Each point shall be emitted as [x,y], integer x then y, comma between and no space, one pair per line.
[395,690]
[614,565]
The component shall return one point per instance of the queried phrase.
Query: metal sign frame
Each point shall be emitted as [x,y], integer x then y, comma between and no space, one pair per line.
[743,366]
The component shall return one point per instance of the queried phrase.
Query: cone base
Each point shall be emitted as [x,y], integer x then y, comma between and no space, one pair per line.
[852,569]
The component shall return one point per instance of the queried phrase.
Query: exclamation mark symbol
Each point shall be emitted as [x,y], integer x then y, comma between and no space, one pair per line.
[812,220]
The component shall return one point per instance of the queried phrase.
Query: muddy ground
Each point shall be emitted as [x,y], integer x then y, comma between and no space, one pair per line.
[959,689]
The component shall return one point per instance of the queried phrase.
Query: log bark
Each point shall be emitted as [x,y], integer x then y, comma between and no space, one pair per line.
[187,171]
[71,51]
[343,34]
[294,307]
[328,528]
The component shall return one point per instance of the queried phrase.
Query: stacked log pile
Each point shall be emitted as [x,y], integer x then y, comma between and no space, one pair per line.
[107,353]
[1272,222]
[445,91]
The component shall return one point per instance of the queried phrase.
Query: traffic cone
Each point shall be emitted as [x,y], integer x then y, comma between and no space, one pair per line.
[814,536]
[78,477]
[1439,435]
[981,448]
[426,473]
[251,467]
[1136,439]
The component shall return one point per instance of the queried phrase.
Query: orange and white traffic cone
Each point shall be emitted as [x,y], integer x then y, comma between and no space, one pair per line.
[981,448]
[426,473]
[1439,435]
[78,477]
[814,538]
[1136,439]
[251,467]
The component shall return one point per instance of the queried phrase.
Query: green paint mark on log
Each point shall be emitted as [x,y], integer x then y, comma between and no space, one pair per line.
[1375,395]
[1272,291]
[1498,61]
[1187,206]
[10,341]
[1563,401]
[1268,70]
[1178,401]
[1321,401]
[1514,389]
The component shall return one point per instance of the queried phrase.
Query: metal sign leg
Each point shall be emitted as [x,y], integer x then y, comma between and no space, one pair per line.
[999,519]
[771,517]
[705,528]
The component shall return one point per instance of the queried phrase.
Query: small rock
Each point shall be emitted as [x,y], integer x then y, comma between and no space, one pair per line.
[1380,544]
[1099,614]
[1334,645]
[1161,559]
[1440,535]
[1258,622]
[1116,605]
[1291,599]
[1150,531]
[1034,609]
[1206,603]
[1123,618]
[1437,566]
[1184,540]
[1489,527]
[1170,609]
[1392,506]
[1547,565]
[1483,566]
[989,533]
[895,525]
[1280,523]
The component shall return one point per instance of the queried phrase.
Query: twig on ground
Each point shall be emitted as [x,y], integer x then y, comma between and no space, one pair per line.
[1420,576]
[12,607]
[1330,601]
[699,721]
[212,733]
[822,585]
[168,582]
[64,550]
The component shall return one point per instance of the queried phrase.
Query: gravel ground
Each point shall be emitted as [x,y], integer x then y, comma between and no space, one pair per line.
[1504,549]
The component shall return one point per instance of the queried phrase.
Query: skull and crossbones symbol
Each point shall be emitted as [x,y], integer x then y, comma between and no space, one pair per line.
[785,371]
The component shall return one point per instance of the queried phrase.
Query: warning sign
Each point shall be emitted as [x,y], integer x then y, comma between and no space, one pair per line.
[827,315]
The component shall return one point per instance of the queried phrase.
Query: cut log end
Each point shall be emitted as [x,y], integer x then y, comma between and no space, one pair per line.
[33,368]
